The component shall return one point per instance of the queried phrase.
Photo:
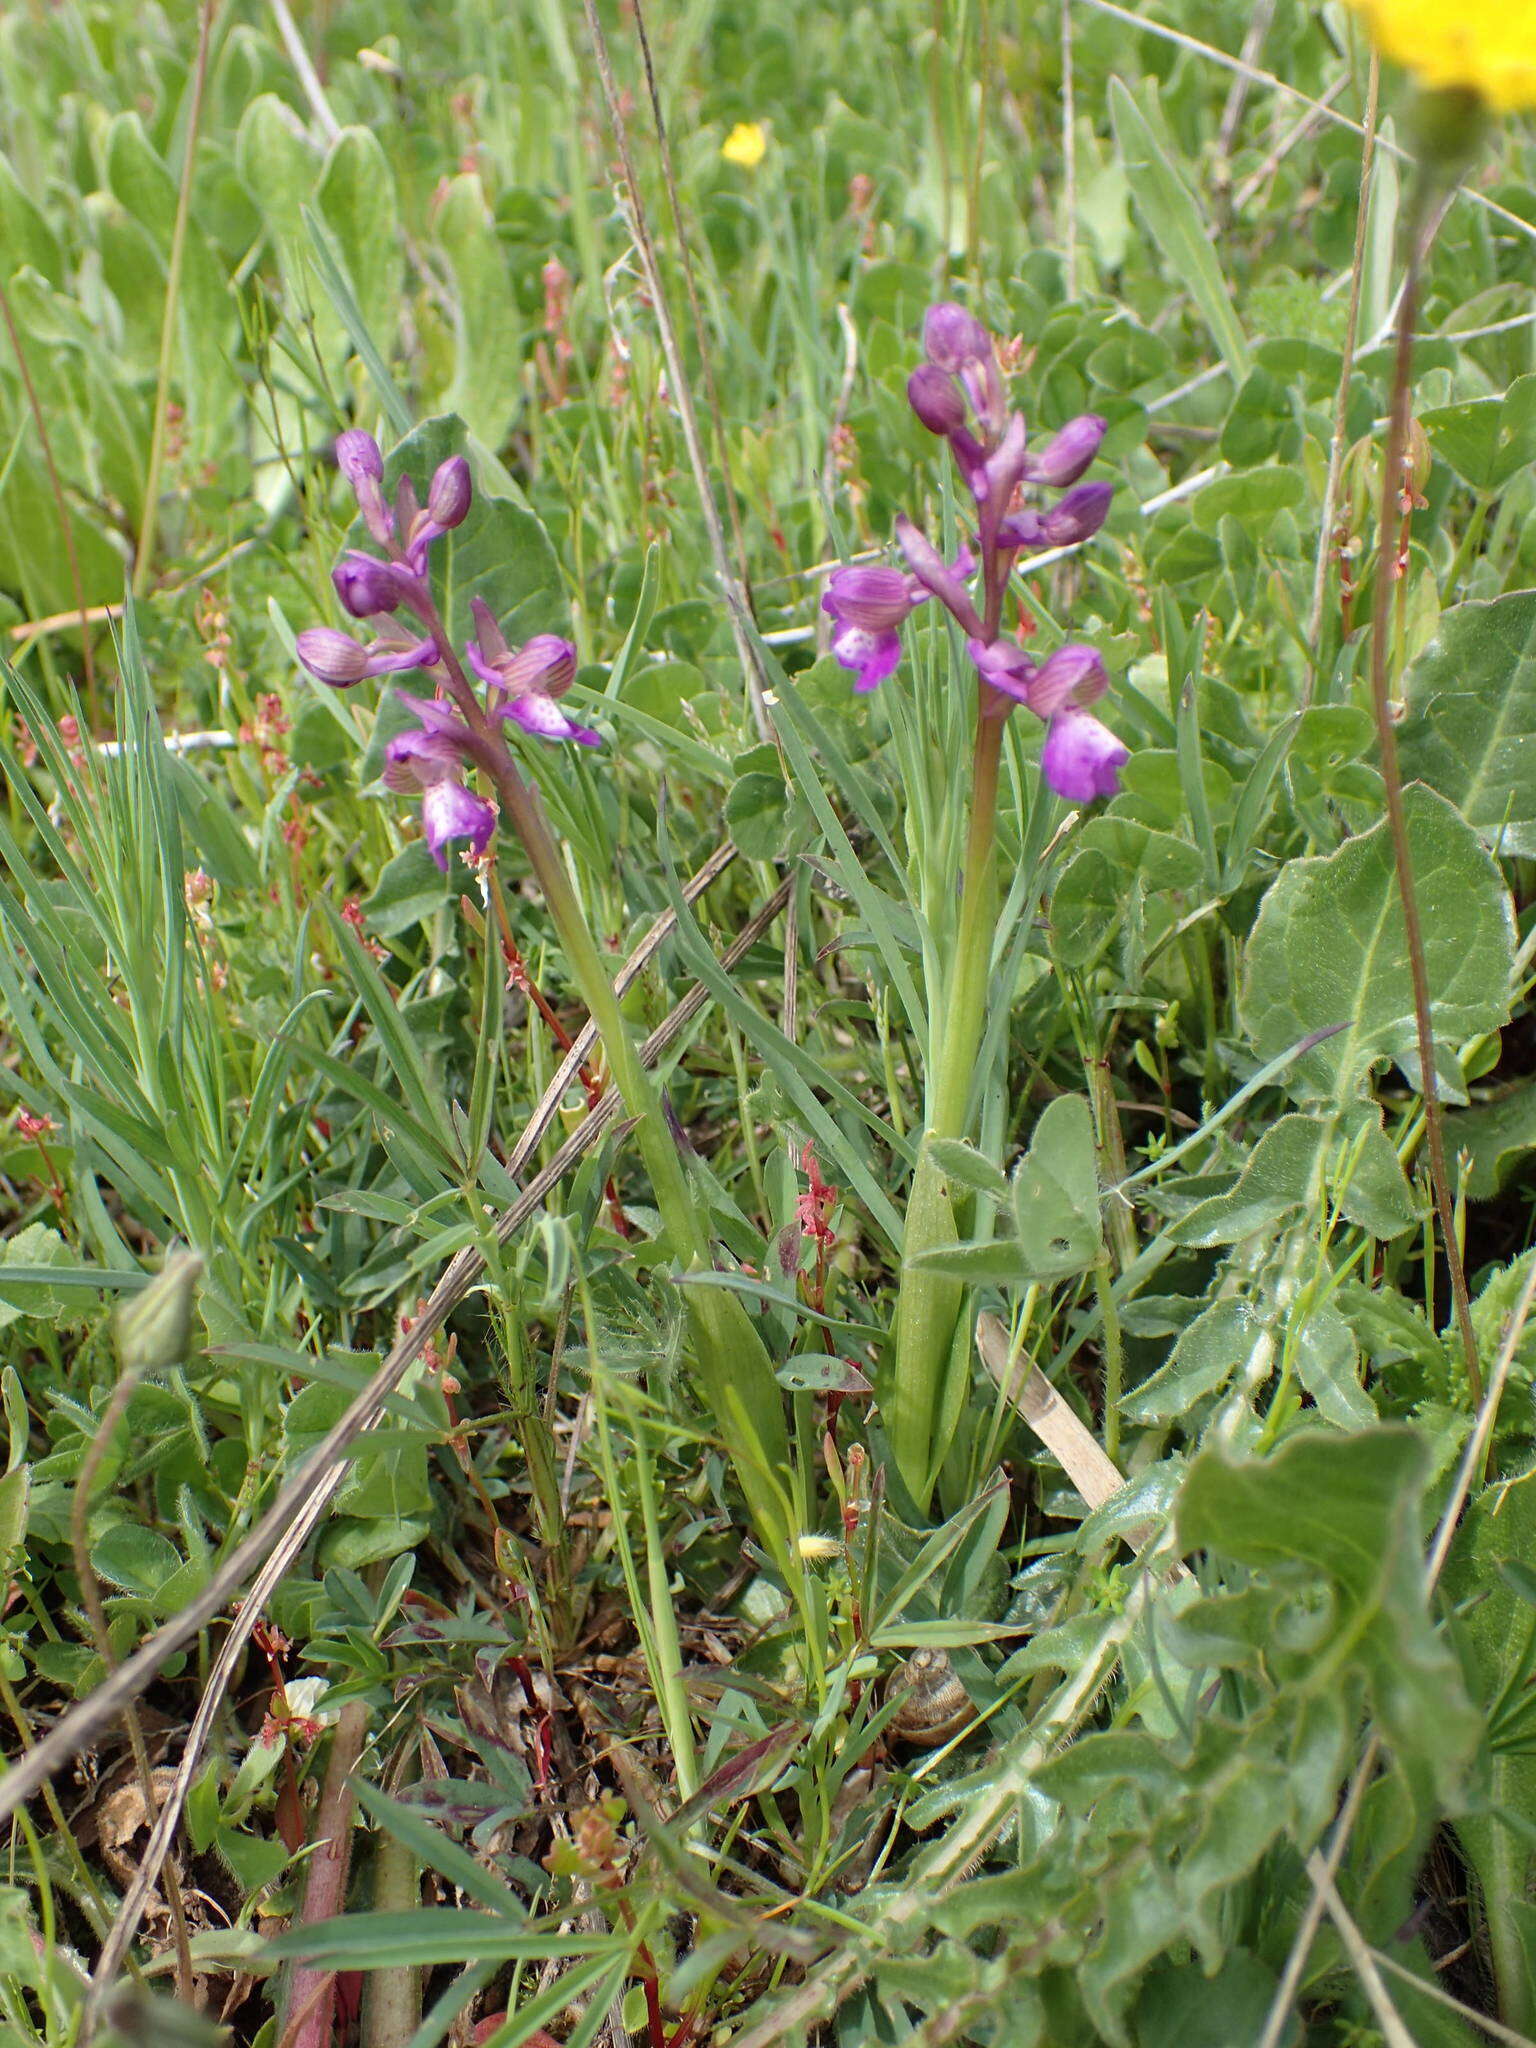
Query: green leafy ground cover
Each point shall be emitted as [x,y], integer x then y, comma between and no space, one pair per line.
[558,1719]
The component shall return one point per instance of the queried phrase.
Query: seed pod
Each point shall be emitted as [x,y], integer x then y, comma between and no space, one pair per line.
[934,1704]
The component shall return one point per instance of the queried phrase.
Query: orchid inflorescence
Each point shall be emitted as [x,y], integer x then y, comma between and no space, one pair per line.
[454,730]
[958,394]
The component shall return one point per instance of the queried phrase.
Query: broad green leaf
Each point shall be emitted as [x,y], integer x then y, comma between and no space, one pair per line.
[356,199]
[1492,1137]
[1283,1172]
[1470,729]
[1056,1193]
[1487,440]
[411,888]
[1222,1338]
[1495,1630]
[1168,210]
[135,1559]
[1329,949]
[487,379]
[1347,1510]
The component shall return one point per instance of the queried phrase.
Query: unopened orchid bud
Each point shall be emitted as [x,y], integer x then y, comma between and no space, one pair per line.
[1078,515]
[450,494]
[358,458]
[333,657]
[954,338]
[936,398]
[1067,454]
[368,587]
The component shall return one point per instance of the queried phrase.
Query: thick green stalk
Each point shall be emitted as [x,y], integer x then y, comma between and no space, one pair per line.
[918,1409]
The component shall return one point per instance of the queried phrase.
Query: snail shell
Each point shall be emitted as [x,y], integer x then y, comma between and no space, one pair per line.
[934,1704]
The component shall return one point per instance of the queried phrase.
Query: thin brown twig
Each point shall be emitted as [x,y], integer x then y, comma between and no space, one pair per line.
[303,1501]
[1423,219]
[82,612]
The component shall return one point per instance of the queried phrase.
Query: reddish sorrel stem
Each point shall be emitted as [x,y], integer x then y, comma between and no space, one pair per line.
[1422,224]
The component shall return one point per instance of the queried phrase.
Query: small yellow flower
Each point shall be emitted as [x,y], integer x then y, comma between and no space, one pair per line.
[1483,46]
[746,145]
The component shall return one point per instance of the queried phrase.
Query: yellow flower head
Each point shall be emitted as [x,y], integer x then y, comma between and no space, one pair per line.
[1483,46]
[746,145]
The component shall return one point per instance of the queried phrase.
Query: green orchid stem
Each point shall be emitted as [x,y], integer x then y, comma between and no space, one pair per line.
[966,1007]
[736,1372]
[930,1365]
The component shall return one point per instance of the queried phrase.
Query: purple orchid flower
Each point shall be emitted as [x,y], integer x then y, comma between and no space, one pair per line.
[429,761]
[524,686]
[869,604]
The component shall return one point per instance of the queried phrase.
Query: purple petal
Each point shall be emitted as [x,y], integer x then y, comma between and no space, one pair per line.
[332,657]
[996,480]
[450,494]
[493,642]
[944,580]
[1081,758]
[436,715]
[1021,530]
[387,659]
[539,714]
[417,760]
[1074,675]
[878,599]
[1005,666]
[872,656]
[358,458]
[367,587]
[546,664]
[449,811]
[488,673]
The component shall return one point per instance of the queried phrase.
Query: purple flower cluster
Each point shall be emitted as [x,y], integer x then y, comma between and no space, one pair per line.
[958,394]
[452,728]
